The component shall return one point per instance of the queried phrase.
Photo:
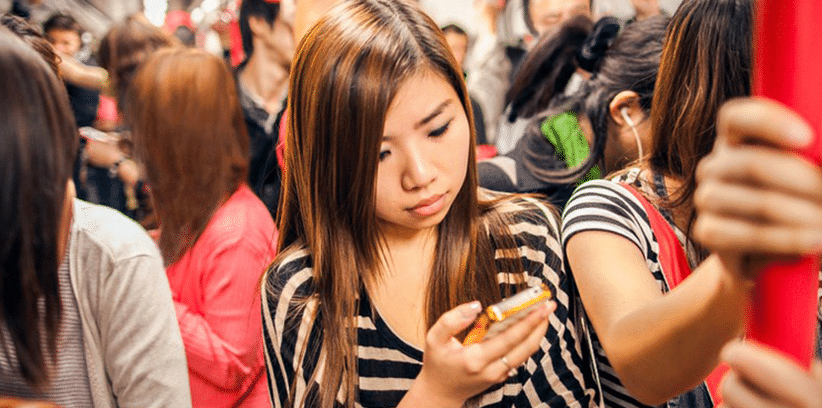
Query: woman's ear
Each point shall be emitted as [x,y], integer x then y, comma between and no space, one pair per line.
[625,105]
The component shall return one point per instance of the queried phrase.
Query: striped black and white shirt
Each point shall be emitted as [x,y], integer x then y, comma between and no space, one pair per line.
[68,378]
[605,205]
[555,376]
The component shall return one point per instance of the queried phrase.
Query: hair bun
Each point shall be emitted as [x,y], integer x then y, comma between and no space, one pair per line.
[597,44]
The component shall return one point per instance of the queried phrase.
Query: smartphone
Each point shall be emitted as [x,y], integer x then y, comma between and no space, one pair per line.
[499,316]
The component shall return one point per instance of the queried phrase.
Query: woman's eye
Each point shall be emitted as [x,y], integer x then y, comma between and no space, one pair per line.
[440,131]
[384,154]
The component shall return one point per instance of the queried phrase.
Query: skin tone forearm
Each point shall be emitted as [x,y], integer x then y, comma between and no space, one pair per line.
[756,202]
[659,345]
[105,154]
[85,76]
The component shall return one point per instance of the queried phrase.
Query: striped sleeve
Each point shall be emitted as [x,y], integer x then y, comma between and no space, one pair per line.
[603,205]
[292,339]
[556,375]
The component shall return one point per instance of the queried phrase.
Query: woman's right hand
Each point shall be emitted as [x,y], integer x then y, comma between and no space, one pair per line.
[452,373]
[754,195]
[763,378]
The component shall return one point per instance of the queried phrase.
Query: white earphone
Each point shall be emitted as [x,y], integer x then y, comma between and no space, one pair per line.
[627,118]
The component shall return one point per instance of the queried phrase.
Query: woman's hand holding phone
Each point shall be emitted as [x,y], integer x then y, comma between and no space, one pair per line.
[452,372]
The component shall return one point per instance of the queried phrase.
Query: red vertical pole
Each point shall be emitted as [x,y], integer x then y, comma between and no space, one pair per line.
[788,68]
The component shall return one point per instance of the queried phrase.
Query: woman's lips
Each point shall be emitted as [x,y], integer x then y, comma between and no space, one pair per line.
[429,206]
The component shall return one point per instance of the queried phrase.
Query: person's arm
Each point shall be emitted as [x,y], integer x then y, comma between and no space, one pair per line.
[763,378]
[106,154]
[489,70]
[84,76]
[660,345]
[143,352]
[222,345]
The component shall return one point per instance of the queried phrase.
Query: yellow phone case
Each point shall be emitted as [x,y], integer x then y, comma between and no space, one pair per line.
[498,317]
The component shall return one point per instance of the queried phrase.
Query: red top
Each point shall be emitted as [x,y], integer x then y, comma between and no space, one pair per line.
[216,295]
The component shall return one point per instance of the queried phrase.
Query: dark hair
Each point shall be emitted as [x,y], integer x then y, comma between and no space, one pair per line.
[125,47]
[630,63]
[186,36]
[60,21]
[38,144]
[706,62]
[453,28]
[548,67]
[338,104]
[266,10]
[189,130]
[33,37]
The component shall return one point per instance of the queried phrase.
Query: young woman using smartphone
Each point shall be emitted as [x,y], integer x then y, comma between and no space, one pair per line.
[388,249]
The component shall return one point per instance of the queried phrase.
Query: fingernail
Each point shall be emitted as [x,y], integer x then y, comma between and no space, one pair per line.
[471,311]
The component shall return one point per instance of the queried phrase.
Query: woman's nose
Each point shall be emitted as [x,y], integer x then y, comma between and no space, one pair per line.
[420,170]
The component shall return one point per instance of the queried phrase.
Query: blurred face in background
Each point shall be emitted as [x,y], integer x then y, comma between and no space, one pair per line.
[65,41]
[547,14]
[459,46]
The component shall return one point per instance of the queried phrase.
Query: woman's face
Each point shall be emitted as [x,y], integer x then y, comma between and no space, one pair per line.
[423,156]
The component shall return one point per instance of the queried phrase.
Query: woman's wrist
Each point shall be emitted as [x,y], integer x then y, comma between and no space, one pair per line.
[423,395]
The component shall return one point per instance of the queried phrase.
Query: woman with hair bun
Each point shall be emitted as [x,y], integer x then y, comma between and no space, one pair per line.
[584,135]
[661,308]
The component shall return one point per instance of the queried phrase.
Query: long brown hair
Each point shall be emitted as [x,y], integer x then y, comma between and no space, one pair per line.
[347,70]
[706,61]
[38,145]
[190,133]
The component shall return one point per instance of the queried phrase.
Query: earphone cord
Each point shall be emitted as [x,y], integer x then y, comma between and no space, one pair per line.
[638,141]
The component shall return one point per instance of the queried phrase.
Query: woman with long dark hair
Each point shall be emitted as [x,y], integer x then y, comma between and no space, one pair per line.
[388,250]
[659,307]
[216,236]
[86,316]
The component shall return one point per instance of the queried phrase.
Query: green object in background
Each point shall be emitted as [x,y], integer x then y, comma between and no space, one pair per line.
[564,133]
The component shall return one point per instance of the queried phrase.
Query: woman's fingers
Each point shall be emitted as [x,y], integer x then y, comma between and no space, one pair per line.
[523,350]
[762,167]
[762,377]
[731,234]
[452,322]
[489,352]
[757,204]
[737,394]
[753,197]
[762,121]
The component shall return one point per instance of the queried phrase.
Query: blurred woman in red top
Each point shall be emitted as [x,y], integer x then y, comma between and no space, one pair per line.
[216,235]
